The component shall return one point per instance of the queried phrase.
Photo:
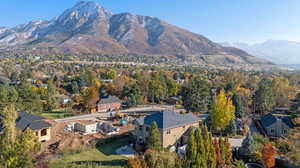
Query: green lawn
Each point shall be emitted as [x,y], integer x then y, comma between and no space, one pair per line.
[101,156]
[58,113]
[89,158]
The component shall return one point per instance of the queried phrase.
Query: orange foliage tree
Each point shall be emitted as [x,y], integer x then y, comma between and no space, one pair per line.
[136,162]
[268,155]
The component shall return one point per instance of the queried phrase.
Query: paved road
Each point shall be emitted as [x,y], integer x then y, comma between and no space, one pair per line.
[144,109]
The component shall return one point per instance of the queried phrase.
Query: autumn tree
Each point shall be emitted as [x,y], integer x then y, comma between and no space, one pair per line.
[157,87]
[227,151]
[268,155]
[172,87]
[222,111]
[52,100]
[283,92]
[264,97]
[136,162]
[90,98]
[154,139]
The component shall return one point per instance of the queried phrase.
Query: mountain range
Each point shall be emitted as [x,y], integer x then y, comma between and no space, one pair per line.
[88,28]
[277,51]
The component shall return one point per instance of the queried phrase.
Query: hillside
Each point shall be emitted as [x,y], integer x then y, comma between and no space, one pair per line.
[88,28]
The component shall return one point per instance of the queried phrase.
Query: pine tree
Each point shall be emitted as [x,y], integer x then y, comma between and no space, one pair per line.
[239,108]
[191,150]
[201,152]
[211,154]
[154,139]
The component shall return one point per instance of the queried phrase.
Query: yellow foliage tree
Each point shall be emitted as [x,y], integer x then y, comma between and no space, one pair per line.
[222,111]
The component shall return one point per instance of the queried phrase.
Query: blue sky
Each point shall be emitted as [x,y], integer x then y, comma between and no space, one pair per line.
[220,20]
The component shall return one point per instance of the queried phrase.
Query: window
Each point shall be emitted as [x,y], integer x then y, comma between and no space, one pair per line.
[141,128]
[44,132]
[37,133]
[147,129]
[169,132]
[284,131]
[272,130]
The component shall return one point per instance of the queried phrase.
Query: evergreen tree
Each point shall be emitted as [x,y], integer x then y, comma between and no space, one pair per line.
[231,128]
[196,95]
[191,150]
[29,99]
[209,148]
[248,147]
[154,139]
[239,107]
[201,152]
[74,87]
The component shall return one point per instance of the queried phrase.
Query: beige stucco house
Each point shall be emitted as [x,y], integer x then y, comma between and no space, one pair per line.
[37,124]
[172,126]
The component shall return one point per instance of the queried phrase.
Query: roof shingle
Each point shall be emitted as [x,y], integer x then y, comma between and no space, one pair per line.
[169,119]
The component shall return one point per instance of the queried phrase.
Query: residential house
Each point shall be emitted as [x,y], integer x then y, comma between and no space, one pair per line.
[172,126]
[63,100]
[86,127]
[111,103]
[276,125]
[38,124]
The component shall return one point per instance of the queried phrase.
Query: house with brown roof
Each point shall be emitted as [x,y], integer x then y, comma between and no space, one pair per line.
[111,103]
[172,126]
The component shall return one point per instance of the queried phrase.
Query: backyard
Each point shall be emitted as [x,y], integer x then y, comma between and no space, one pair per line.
[100,155]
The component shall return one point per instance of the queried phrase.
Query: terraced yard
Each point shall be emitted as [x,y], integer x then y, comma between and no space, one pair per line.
[101,155]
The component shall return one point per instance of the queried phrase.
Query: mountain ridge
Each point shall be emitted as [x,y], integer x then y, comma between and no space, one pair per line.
[88,28]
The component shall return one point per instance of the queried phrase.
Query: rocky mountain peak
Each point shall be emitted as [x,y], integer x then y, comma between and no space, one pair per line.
[84,9]
[88,28]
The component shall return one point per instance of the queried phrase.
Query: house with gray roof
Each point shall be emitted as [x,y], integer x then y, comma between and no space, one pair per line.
[171,125]
[39,125]
[276,125]
[109,103]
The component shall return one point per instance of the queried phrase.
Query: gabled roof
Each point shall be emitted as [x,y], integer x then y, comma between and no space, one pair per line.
[270,119]
[26,120]
[109,100]
[169,119]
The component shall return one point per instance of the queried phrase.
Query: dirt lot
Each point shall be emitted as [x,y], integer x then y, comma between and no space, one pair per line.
[71,140]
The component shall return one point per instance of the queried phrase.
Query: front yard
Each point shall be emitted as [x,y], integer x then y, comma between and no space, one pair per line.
[57,113]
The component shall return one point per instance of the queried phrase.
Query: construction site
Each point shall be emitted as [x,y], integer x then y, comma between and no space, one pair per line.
[85,132]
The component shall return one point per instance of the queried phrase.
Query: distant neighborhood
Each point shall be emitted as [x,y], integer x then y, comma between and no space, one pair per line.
[134,114]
